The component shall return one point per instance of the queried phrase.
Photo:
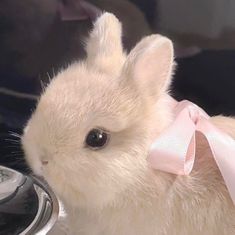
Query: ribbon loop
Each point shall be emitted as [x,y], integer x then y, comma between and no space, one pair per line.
[174,151]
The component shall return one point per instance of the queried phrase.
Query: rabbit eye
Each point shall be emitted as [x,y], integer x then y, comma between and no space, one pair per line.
[96,139]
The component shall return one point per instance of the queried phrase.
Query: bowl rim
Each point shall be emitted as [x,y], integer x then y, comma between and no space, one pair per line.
[44,193]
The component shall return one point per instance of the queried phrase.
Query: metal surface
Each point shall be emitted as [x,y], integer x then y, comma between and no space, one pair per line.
[10,180]
[30,200]
[48,211]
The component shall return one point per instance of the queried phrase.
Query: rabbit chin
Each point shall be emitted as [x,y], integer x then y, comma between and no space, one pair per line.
[31,154]
[36,166]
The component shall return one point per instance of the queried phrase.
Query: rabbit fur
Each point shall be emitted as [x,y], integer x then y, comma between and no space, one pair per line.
[113,191]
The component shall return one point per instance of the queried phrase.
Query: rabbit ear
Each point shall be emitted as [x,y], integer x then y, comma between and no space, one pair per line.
[104,45]
[150,64]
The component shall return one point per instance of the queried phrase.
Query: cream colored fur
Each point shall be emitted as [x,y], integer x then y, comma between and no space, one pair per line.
[113,191]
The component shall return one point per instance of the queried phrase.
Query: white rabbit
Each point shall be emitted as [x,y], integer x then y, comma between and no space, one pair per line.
[90,135]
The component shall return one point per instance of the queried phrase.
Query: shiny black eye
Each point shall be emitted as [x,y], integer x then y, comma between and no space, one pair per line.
[96,139]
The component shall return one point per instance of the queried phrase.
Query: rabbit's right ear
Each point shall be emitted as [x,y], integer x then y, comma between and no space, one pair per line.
[104,45]
[149,66]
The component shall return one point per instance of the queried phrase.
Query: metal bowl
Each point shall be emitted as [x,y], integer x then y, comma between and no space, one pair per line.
[27,205]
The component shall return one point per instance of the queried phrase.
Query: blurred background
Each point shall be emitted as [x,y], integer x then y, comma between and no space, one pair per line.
[38,37]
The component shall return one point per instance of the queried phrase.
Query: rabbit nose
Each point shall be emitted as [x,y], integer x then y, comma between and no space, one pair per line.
[44,162]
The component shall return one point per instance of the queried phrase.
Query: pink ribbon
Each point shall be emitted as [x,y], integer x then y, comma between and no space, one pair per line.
[174,150]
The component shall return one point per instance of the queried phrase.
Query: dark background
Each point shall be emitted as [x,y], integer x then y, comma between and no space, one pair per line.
[35,41]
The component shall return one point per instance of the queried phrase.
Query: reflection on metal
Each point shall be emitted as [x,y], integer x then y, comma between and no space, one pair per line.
[27,205]
[48,211]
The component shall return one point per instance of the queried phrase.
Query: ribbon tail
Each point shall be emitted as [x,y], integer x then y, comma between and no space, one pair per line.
[222,147]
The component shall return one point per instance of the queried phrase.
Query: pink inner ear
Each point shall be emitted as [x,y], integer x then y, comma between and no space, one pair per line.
[78,10]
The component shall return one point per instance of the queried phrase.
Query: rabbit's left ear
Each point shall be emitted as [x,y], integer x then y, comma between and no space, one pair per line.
[104,45]
[149,65]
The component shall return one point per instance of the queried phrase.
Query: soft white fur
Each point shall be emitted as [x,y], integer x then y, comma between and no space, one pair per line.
[113,191]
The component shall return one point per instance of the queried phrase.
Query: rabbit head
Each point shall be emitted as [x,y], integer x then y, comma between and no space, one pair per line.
[91,131]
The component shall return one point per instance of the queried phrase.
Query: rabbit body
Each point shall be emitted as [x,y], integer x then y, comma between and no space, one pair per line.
[113,190]
[195,204]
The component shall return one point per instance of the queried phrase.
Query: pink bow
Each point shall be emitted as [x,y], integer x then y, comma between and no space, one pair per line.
[174,150]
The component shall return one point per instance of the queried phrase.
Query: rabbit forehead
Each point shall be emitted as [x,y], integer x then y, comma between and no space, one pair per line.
[80,100]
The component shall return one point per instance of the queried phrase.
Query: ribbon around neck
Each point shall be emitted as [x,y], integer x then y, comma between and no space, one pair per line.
[174,151]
